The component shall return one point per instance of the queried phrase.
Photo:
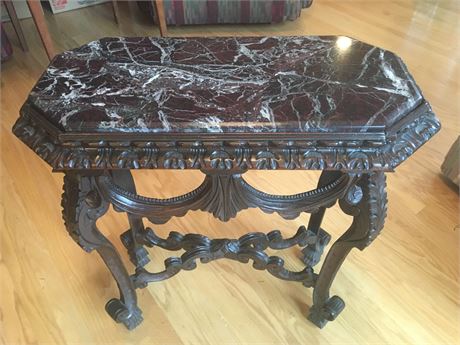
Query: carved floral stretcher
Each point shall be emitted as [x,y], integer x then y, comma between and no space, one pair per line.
[225,106]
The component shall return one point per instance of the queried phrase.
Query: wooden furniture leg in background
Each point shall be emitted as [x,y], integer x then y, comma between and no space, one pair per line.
[115,10]
[39,19]
[161,18]
[450,168]
[16,24]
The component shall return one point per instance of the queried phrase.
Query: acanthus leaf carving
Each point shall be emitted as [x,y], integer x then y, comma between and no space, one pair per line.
[129,158]
[174,160]
[312,159]
[213,155]
[357,160]
[243,155]
[78,157]
[266,160]
[221,160]
[291,157]
[197,151]
[103,159]
[150,156]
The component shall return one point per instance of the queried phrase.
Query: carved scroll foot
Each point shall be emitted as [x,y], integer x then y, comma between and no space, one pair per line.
[366,201]
[328,311]
[121,314]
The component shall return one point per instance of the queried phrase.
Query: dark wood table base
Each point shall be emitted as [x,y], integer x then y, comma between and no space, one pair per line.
[87,196]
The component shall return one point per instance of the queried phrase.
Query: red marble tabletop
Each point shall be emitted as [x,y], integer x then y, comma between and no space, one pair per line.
[268,84]
[328,98]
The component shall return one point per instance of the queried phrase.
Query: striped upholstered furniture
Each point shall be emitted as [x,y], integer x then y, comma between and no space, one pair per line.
[6,49]
[180,12]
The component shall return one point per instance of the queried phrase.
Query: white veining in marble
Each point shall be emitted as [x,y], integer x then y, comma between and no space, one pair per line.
[265,84]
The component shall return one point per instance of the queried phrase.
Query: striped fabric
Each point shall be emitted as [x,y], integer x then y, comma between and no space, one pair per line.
[6,48]
[180,12]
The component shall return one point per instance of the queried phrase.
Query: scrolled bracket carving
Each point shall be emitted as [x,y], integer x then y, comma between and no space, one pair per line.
[223,195]
[250,247]
[366,201]
[81,205]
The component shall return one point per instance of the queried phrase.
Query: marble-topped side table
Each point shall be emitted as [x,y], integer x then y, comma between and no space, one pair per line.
[224,106]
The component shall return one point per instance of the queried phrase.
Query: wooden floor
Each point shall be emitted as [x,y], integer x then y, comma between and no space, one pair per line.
[403,289]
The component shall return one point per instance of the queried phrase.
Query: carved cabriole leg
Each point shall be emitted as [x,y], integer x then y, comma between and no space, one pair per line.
[130,239]
[313,252]
[82,206]
[366,201]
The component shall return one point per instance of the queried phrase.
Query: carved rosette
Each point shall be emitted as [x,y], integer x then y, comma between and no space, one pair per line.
[351,155]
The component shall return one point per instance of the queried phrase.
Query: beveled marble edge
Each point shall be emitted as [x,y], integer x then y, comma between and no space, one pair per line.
[64,137]
[373,138]
[271,152]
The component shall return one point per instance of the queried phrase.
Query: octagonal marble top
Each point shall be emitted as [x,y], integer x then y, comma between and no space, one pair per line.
[248,84]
